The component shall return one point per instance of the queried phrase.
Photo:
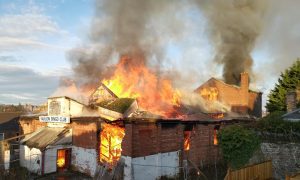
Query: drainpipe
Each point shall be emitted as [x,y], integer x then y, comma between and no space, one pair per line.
[43,162]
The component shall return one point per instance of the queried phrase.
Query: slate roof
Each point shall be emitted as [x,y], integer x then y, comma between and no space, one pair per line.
[9,121]
[292,116]
[46,136]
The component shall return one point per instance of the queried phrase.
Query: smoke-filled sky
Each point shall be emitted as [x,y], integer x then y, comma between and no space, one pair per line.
[41,41]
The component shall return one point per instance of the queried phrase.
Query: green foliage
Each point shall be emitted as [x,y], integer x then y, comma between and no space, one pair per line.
[238,145]
[119,105]
[289,80]
[275,124]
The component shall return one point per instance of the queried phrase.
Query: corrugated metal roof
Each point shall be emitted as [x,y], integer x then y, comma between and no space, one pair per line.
[45,136]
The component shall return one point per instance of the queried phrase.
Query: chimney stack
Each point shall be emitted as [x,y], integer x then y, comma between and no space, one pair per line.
[244,81]
[291,101]
[244,84]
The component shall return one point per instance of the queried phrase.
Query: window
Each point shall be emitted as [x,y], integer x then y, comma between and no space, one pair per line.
[216,129]
[1,136]
[111,143]
[187,140]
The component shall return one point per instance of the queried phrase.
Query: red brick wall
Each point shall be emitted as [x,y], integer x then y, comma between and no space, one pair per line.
[85,134]
[239,99]
[202,150]
[148,139]
[127,141]
[30,125]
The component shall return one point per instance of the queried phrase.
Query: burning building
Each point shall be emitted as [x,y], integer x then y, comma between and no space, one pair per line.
[239,99]
[117,139]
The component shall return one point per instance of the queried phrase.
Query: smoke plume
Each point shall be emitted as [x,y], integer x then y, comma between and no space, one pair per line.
[125,27]
[235,26]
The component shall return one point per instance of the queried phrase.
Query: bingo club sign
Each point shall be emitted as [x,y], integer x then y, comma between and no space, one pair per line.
[54,119]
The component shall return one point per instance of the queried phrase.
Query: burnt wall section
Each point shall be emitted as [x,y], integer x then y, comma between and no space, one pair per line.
[285,157]
[202,149]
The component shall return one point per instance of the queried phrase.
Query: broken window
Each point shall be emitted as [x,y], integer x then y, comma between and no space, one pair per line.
[187,140]
[216,129]
[111,143]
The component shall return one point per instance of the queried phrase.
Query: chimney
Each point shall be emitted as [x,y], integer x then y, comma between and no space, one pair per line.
[244,84]
[291,101]
[244,81]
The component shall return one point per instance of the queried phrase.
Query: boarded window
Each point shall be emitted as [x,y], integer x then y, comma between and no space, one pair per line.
[54,108]
[146,141]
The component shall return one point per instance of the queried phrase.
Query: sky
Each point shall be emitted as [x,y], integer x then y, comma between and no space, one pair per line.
[36,35]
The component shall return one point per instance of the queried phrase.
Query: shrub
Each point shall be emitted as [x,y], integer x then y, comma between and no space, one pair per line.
[275,124]
[238,145]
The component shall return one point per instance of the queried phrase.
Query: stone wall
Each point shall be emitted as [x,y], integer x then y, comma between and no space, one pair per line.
[285,157]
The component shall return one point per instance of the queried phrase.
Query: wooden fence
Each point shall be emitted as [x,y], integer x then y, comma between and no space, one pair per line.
[293,177]
[260,171]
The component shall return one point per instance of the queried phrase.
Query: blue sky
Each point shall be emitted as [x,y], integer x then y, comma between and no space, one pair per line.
[34,39]
[35,36]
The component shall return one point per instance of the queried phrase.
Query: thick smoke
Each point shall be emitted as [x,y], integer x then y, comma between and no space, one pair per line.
[124,27]
[235,26]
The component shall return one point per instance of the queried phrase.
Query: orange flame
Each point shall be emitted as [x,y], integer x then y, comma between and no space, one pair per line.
[187,140]
[209,94]
[135,80]
[111,147]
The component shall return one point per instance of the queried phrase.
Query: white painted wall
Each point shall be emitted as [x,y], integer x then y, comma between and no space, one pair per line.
[152,167]
[31,159]
[50,160]
[84,160]
[68,107]
[127,168]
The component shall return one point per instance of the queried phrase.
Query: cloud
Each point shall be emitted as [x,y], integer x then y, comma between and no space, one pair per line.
[23,84]
[8,59]
[12,44]
[28,26]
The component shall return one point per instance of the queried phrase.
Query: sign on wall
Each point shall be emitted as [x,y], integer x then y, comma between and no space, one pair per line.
[54,119]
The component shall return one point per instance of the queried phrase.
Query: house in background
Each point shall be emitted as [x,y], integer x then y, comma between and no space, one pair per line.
[9,127]
[292,100]
[239,99]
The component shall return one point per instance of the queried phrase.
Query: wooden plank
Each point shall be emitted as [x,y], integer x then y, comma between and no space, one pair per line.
[257,171]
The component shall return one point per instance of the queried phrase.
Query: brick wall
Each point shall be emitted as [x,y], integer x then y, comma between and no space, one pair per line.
[202,150]
[144,139]
[240,99]
[29,125]
[85,134]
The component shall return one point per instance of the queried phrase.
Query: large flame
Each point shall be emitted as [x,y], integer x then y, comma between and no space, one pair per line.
[210,94]
[134,80]
[111,143]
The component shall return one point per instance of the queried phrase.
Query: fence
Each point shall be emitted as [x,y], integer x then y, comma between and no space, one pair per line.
[293,177]
[260,171]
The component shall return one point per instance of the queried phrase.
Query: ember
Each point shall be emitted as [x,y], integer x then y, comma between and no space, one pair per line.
[135,80]
[111,139]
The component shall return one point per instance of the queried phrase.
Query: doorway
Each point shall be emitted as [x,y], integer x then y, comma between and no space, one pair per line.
[63,159]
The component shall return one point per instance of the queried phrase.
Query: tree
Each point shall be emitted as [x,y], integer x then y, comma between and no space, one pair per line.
[289,80]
